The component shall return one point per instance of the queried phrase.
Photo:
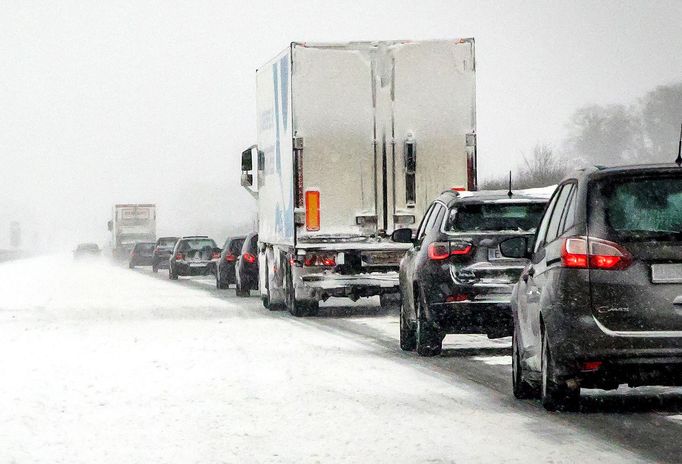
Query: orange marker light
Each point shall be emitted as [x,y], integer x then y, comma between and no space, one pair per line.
[312,210]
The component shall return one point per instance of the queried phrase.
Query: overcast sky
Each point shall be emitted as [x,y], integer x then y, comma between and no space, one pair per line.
[152,101]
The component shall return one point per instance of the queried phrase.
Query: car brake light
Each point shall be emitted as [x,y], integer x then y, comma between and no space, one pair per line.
[229,258]
[215,255]
[439,251]
[249,258]
[590,366]
[594,253]
[179,257]
[312,210]
[457,297]
[328,261]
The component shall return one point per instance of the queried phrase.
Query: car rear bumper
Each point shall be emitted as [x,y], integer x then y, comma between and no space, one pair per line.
[193,269]
[492,317]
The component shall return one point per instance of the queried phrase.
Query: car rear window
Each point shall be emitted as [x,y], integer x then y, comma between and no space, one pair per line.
[197,244]
[145,246]
[236,245]
[495,216]
[640,208]
[167,242]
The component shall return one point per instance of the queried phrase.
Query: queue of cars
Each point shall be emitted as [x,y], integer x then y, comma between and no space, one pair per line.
[585,277]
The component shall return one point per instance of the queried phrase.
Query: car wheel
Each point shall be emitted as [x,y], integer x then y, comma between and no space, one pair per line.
[154,268]
[219,282]
[240,292]
[172,275]
[555,396]
[523,389]
[428,340]
[131,266]
[390,300]
[408,340]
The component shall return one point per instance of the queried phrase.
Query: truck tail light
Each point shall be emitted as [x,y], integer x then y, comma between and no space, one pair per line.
[594,253]
[249,258]
[439,251]
[320,260]
[312,210]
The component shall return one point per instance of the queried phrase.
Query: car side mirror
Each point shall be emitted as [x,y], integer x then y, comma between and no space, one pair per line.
[403,235]
[516,247]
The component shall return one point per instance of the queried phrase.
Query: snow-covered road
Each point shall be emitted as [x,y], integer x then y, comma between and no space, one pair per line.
[104,364]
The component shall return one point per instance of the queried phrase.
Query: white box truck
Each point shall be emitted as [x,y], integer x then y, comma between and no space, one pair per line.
[354,140]
[131,223]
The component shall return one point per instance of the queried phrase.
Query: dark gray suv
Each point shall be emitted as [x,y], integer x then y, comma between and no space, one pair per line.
[454,279]
[600,303]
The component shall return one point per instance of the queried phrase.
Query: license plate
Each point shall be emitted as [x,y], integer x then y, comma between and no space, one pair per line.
[666,273]
[196,264]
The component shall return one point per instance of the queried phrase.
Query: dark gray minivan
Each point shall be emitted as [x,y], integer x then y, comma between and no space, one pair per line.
[600,303]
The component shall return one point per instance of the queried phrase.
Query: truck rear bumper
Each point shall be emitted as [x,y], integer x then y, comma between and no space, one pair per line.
[320,286]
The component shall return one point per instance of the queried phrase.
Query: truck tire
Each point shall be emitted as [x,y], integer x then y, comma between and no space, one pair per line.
[298,308]
[428,340]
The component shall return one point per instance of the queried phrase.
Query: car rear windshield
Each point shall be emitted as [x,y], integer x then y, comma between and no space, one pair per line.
[145,246]
[639,208]
[495,217]
[236,245]
[197,244]
[167,242]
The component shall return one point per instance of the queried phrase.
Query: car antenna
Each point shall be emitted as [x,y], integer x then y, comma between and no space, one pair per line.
[679,150]
[509,193]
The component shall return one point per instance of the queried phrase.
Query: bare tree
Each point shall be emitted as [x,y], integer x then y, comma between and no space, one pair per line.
[541,169]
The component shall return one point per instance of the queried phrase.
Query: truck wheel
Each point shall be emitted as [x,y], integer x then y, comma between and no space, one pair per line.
[408,340]
[555,395]
[428,341]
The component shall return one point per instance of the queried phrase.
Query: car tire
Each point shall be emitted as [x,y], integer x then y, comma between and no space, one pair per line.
[428,340]
[522,388]
[131,266]
[155,269]
[240,292]
[219,282]
[172,275]
[554,395]
[408,337]
[390,300]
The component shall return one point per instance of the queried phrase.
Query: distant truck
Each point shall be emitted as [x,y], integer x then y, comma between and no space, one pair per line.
[131,223]
[354,141]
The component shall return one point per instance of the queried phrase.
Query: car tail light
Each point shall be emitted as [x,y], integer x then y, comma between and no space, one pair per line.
[457,297]
[179,256]
[312,210]
[156,250]
[590,366]
[230,258]
[319,260]
[215,255]
[594,253]
[439,251]
[249,258]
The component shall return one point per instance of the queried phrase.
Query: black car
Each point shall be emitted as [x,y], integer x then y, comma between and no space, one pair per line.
[142,254]
[225,273]
[162,252]
[86,250]
[600,302]
[193,255]
[246,267]
[454,279]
